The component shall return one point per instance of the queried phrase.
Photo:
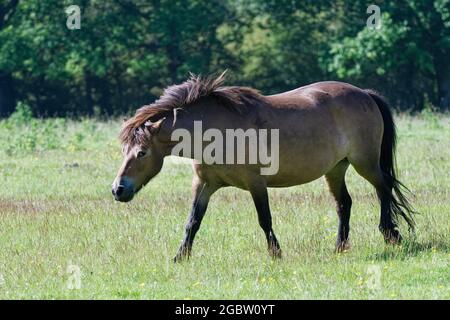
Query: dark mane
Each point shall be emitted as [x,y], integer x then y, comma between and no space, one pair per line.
[237,99]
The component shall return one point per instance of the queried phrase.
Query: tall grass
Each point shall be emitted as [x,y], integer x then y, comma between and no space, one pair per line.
[57,212]
[22,133]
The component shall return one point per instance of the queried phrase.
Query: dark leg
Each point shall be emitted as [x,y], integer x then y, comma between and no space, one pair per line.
[261,200]
[201,193]
[374,175]
[336,183]
[387,226]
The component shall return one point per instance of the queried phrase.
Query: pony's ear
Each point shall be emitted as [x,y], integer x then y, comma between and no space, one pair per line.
[154,127]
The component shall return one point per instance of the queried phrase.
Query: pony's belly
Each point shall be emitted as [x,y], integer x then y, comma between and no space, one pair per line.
[290,180]
[301,170]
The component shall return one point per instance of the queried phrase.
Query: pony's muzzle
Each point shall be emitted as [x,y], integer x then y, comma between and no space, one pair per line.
[119,191]
[123,191]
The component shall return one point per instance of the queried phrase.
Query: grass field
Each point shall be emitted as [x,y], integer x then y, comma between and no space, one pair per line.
[58,220]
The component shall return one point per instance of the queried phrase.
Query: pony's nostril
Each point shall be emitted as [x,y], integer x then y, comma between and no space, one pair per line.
[119,190]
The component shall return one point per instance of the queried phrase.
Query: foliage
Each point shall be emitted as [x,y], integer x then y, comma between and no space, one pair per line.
[407,59]
[24,134]
[127,51]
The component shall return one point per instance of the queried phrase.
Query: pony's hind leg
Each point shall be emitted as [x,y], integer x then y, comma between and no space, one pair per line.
[388,225]
[336,183]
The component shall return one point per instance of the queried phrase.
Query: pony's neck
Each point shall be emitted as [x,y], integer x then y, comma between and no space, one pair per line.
[186,121]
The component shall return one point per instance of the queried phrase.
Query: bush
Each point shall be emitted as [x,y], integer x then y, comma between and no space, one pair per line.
[21,132]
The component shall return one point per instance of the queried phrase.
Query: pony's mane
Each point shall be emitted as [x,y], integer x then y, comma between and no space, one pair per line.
[236,99]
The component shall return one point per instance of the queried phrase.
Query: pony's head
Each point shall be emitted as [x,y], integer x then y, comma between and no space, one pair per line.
[143,158]
[146,139]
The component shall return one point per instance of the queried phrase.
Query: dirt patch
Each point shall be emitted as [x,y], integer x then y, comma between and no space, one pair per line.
[29,207]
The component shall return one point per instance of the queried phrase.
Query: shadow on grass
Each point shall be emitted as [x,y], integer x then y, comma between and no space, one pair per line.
[410,248]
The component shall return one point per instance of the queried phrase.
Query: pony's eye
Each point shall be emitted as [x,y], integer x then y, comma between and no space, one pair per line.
[140,154]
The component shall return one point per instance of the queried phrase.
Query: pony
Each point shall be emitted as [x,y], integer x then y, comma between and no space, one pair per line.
[323,128]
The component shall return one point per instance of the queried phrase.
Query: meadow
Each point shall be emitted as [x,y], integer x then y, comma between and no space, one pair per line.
[62,235]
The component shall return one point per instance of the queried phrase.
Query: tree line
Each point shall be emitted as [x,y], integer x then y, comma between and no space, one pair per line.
[127,51]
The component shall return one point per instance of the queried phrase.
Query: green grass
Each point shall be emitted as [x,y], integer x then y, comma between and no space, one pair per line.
[56,210]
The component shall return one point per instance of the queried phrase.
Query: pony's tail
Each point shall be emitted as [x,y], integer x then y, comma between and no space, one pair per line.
[400,205]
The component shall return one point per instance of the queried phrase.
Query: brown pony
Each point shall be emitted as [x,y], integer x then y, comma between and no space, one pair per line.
[323,127]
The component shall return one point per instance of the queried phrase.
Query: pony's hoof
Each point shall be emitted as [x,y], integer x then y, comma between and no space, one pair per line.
[275,253]
[392,237]
[342,246]
[181,256]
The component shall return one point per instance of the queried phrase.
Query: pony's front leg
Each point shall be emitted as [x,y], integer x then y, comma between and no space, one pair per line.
[202,192]
[261,200]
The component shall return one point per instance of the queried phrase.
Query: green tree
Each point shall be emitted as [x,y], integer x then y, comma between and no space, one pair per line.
[407,59]
[282,46]
[7,94]
[127,51]
[122,57]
